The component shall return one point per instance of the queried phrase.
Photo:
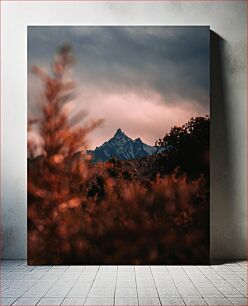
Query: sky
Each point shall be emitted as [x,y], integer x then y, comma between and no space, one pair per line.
[143,80]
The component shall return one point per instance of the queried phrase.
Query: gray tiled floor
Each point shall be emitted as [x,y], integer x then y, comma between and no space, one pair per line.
[123,285]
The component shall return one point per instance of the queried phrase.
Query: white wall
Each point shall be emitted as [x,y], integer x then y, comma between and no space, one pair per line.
[228,117]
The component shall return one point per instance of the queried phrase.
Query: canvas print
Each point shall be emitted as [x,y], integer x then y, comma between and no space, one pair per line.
[118,145]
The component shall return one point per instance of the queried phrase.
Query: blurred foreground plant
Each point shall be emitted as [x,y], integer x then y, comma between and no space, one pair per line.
[56,176]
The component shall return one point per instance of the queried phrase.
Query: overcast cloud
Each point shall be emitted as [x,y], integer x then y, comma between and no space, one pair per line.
[160,73]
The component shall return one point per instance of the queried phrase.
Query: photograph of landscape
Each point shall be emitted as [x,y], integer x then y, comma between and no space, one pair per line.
[118,145]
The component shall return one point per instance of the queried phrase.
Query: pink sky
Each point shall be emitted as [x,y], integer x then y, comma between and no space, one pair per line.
[143,114]
[139,113]
[143,80]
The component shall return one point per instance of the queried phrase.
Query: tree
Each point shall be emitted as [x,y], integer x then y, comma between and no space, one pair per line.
[186,148]
[55,178]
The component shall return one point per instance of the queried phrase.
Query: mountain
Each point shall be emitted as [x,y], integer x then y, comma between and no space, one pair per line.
[122,147]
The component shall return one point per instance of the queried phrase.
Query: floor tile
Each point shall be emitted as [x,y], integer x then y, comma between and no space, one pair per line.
[75,268]
[99,301]
[121,301]
[194,301]
[239,301]
[50,301]
[230,292]
[144,282]
[167,292]
[149,301]
[193,292]
[217,301]
[126,269]
[210,292]
[26,301]
[73,301]
[58,291]
[102,292]
[79,291]
[6,301]
[166,301]
[125,285]
[37,290]
[126,292]
[147,292]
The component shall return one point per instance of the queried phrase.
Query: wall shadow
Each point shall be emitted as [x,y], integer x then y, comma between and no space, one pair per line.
[223,226]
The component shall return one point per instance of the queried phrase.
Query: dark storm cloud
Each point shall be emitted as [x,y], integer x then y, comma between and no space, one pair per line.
[173,61]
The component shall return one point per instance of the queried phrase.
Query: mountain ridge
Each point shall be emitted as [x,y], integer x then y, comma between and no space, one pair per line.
[121,147]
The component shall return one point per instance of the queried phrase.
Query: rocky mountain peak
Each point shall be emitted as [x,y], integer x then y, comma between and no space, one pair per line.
[122,147]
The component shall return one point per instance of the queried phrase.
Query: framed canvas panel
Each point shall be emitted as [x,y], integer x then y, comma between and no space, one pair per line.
[118,145]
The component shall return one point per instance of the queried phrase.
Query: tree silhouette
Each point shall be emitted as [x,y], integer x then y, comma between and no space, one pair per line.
[186,148]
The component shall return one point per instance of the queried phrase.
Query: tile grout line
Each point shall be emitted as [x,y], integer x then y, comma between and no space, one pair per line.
[211,283]
[116,283]
[72,285]
[136,283]
[50,267]
[216,271]
[92,283]
[176,286]
[14,301]
[209,275]
[39,298]
[193,285]
[155,286]
[230,283]
[237,273]
[25,290]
